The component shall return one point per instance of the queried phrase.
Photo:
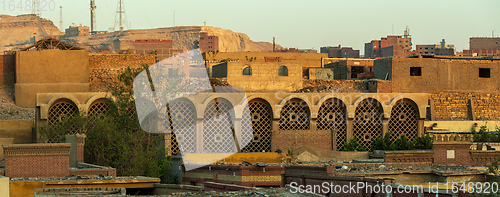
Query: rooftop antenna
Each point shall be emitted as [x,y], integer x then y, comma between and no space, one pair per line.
[36,8]
[407,32]
[174,18]
[274,44]
[92,16]
[120,18]
[61,27]
[392,29]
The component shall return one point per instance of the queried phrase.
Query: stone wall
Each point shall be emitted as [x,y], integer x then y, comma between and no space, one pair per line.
[105,69]
[102,78]
[460,105]
[120,61]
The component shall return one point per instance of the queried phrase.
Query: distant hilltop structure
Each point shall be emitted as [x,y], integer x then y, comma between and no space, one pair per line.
[75,30]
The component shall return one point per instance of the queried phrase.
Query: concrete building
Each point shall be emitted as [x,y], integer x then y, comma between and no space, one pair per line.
[259,76]
[484,43]
[439,74]
[401,47]
[74,30]
[436,49]
[295,50]
[351,68]
[480,53]
[163,48]
[340,52]
[208,43]
[307,60]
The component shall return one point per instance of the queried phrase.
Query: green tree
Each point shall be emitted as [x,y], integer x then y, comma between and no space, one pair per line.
[353,145]
[382,143]
[115,138]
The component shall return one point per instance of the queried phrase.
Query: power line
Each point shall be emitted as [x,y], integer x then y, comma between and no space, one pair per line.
[61,27]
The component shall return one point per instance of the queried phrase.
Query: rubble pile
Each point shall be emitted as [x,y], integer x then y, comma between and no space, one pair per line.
[219,82]
[9,110]
[333,86]
[259,192]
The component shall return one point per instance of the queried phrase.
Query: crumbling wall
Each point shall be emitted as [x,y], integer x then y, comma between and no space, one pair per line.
[105,69]
[337,86]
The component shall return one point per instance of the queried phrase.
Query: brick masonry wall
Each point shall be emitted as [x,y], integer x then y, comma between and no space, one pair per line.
[409,156]
[462,154]
[484,157]
[454,105]
[105,69]
[93,172]
[120,61]
[283,139]
[37,166]
[102,78]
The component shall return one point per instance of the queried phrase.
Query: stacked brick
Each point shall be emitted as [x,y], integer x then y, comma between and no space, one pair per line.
[284,139]
[249,176]
[455,105]
[36,160]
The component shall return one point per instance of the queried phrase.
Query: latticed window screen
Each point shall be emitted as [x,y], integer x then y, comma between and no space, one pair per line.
[332,115]
[368,122]
[61,110]
[404,120]
[217,128]
[295,115]
[98,107]
[259,119]
[183,127]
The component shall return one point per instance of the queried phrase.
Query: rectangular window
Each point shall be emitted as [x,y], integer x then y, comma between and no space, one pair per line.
[484,72]
[415,71]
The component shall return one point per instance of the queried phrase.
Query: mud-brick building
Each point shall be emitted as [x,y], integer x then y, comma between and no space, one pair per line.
[50,66]
[259,76]
[436,74]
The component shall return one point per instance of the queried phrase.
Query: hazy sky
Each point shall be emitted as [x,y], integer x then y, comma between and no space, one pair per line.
[299,24]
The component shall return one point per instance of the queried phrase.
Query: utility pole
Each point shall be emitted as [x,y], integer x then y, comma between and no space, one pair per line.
[274,44]
[120,18]
[36,8]
[92,17]
[61,19]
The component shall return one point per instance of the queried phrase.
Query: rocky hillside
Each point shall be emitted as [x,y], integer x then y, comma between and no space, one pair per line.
[16,31]
[183,38]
